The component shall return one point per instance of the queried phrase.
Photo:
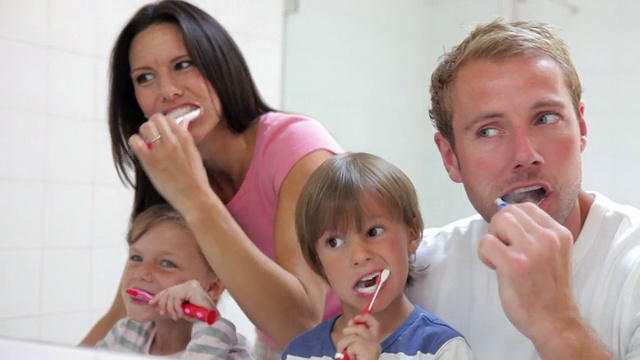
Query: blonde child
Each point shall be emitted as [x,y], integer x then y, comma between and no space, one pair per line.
[164,259]
[358,215]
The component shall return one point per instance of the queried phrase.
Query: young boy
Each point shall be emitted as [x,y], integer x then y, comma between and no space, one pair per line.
[358,215]
[165,260]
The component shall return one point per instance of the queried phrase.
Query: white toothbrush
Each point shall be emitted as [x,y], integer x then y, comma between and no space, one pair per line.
[191,115]
[384,275]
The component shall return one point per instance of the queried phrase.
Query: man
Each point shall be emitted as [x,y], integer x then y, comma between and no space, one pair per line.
[556,274]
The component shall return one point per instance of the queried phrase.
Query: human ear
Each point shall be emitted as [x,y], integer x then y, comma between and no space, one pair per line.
[449,158]
[214,288]
[415,235]
[583,127]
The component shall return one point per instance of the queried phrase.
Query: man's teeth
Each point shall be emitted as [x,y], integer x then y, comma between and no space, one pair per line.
[533,194]
[530,188]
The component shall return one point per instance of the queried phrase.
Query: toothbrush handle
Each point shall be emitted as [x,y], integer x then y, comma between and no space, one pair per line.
[200,313]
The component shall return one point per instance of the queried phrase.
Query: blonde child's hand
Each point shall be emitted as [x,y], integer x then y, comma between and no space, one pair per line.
[169,301]
[360,338]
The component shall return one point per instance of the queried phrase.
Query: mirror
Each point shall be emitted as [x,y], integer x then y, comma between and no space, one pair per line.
[361,68]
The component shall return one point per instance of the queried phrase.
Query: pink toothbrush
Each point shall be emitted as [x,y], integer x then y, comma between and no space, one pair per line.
[384,275]
[193,311]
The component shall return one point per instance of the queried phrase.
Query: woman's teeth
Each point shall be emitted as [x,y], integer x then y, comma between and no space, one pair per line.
[187,113]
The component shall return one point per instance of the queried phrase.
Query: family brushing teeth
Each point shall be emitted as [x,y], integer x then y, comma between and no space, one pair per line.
[326,251]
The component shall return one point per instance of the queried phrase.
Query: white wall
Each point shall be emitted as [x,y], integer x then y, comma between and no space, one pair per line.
[63,211]
[363,69]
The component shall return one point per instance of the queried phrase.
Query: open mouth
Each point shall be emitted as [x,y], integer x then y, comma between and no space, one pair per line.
[367,285]
[139,295]
[532,194]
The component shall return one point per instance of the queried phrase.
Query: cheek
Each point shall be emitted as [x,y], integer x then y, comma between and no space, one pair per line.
[144,99]
[477,165]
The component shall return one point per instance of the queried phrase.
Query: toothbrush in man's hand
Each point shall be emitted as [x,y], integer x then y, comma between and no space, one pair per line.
[501,203]
[384,275]
[190,310]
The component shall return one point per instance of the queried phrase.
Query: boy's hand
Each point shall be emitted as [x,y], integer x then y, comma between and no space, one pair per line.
[360,338]
[170,300]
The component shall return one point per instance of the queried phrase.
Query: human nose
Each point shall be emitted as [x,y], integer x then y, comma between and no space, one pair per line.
[525,151]
[360,253]
[143,272]
[169,89]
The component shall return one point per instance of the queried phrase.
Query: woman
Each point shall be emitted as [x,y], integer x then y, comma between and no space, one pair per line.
[234,173]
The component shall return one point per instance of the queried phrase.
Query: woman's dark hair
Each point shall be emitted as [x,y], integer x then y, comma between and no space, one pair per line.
[212,51]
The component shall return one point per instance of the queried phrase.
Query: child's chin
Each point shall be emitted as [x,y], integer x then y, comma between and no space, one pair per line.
[144,317]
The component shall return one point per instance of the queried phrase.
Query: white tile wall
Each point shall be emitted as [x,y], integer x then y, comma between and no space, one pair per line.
[72,26]
[25,131]
[70,91]
[61,327]
[24,21]
[19,327]
[69,150]
[64,225]
[23,69]
[21,281]
[22,221]
[63,210]
[111,206]
[65,271]
[105,277]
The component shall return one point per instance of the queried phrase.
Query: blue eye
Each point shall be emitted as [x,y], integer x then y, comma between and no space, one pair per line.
[548,119]
[167,264]
[375,231]
[135,258]
[334,242]
[487,132]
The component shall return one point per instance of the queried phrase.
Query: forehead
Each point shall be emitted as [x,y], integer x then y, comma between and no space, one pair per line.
[357,215]
[169,237]
[155,41]
[506,84]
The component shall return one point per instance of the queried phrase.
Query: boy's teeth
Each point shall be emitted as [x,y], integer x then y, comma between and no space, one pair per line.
[367,285]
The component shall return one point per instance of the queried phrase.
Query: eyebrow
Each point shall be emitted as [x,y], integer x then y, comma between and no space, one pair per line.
[175,59]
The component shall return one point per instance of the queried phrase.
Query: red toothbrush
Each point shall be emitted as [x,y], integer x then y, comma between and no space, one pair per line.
[193,311]
[384,275]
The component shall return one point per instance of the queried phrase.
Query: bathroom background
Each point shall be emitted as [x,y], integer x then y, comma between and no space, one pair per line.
[361,67]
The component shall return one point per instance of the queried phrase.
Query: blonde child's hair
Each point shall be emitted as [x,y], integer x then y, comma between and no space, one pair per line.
[154,215]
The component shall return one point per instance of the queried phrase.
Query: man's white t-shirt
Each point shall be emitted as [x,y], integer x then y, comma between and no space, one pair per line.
[460,289]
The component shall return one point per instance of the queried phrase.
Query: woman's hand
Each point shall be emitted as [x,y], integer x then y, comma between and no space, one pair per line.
[172,161]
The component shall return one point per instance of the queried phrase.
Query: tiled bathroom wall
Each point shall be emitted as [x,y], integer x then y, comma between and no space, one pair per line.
[63,210]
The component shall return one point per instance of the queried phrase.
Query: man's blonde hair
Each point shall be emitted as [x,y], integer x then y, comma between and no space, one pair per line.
[498,40]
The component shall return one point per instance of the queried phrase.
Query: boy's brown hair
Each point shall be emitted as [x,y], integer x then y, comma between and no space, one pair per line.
[332,199]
